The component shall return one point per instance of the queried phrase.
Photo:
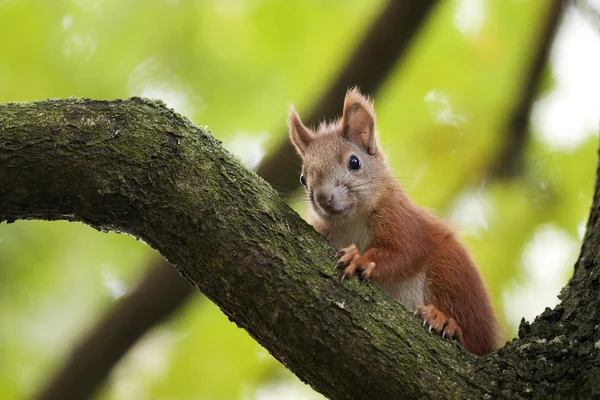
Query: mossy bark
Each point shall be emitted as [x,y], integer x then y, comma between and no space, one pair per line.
[136,167]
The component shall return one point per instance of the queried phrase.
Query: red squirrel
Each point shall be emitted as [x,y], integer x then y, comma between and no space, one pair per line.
[358,205]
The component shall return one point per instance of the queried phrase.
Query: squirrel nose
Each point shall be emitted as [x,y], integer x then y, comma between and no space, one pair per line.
[324,199]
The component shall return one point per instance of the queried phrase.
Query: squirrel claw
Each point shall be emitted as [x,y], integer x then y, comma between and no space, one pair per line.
[366,270]
[440,323]
[351,261]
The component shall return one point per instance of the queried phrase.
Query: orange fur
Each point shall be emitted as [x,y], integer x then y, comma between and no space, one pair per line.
[404,248]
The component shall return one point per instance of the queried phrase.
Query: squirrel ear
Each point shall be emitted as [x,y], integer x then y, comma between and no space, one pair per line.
[358,120]
[300,135]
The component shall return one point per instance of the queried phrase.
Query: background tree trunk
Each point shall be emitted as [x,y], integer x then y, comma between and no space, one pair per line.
[136,167]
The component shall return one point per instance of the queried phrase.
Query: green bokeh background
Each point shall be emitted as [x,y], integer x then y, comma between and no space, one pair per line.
[235,66]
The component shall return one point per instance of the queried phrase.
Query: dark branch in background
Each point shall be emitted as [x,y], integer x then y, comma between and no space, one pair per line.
[92,360]
[509,162]
[386,41]
[376,55]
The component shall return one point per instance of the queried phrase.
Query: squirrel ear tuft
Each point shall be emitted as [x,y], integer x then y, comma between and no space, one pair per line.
[300,135]
[358,120]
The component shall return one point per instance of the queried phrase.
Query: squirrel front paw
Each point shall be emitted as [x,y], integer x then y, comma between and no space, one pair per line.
[439,322]
[351,261]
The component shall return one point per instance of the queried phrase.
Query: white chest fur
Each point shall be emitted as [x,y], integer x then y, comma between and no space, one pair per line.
[410,293]
[346,232]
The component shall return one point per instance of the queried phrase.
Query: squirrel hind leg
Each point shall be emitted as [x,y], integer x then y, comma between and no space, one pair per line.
[439,323]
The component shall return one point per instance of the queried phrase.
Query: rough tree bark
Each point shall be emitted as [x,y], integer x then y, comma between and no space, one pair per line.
[134,166]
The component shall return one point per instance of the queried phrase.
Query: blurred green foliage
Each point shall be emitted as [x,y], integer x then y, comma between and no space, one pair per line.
[235,66]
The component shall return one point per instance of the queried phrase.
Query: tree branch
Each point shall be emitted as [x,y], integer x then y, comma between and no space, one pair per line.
[509,162]
[368,67]
[134,166]
[93,359]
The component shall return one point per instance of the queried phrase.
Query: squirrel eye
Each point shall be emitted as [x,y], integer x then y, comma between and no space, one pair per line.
[353,163]
[302,179]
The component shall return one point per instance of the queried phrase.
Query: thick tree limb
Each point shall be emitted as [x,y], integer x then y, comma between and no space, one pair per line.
[133,166]
[370,64]
[136,167]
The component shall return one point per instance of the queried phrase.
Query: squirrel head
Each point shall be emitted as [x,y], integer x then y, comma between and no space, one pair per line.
[342,165]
